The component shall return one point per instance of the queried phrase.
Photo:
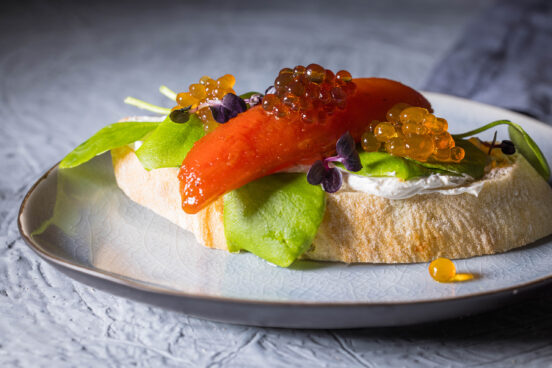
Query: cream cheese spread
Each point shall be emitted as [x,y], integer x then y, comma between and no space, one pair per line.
[395,188]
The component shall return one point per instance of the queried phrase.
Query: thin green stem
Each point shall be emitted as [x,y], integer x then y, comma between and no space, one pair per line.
[482,129]
[147,106]
[166,91]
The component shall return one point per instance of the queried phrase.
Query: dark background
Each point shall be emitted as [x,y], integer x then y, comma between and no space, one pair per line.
[65,68]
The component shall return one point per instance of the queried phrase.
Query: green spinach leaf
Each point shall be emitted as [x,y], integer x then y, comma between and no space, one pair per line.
[169,144]
[109,137]
[275,217]
[523,142]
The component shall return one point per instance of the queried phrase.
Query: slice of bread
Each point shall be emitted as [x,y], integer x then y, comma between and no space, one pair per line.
[514,208]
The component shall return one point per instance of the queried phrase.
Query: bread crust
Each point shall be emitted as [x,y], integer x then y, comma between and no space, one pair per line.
[513,209]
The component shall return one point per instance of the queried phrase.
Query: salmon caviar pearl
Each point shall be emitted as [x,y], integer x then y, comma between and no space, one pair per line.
[443,141]
[369,143]
[311,92]
[343,76]
[396,146]
[198,91]
[419,147]
[384,131]
[394,113]
[442,270]
[457,154]
[207,89]
[413,115]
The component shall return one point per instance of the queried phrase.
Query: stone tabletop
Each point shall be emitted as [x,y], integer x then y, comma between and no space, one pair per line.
[65,69]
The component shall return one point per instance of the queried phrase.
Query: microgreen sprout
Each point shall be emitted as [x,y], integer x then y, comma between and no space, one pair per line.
[146,106]
[330,177]
[507,147]
[227,108]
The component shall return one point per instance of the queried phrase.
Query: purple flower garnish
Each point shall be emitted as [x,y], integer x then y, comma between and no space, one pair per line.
[330,177]
[230,106]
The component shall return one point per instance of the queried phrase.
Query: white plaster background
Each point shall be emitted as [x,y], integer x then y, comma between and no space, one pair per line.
[65,69]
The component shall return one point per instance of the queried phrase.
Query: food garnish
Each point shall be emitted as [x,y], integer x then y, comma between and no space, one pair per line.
[330,177]
[412,132]
[444,270]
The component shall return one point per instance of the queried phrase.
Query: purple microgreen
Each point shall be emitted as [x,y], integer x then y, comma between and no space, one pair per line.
[230,106]
[316,173]
[332,181]
[270,89]
[330,177]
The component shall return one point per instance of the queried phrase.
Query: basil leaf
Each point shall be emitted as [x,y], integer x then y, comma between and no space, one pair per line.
[169,144]
[109,137]
[275,217]
[473,164]
[523,142]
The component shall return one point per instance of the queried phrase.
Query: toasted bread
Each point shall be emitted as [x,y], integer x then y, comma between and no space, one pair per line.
[513,209]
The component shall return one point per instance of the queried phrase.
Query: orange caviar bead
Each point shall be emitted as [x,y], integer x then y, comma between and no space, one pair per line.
[396,146]
[285,71]
[443,141]
[269,101]
[384,131]
[394,113]
[282,81]
[315,73]
[372,126]
[299,70]
[185,99]
[442,154]
[339,96]
[435,125]
[280,110]
[457,154]
[343,76]
[227,81]
[203,80]
[205,114]
[442,270]
[419,147]
[413,115]
[409,128]
[369,143]
[312,90]
[329,77]
[198,91]
[296,87]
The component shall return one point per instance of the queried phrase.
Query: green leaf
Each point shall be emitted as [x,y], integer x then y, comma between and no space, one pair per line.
[473,164]
[275,217]
[382,164]
[523,142]
[109,137]
[169,144]
[249,94]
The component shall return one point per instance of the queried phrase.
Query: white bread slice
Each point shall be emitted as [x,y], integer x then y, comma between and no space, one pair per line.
[514,208]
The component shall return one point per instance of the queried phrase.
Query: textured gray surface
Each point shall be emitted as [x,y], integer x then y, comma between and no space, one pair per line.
[64,71]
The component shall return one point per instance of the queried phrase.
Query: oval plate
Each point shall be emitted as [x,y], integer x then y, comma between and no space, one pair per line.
[80,222]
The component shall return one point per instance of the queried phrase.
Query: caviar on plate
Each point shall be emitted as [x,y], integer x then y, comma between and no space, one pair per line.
[312,92]
[412,132]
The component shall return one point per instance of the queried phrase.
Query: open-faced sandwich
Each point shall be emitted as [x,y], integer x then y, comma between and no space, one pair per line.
[326,167]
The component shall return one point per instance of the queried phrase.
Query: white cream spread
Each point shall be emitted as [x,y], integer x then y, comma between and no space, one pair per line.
[395,188]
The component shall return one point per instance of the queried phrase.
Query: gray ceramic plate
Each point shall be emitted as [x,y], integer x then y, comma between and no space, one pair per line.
[80,222]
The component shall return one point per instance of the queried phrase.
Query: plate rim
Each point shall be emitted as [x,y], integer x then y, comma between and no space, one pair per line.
[164,291]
